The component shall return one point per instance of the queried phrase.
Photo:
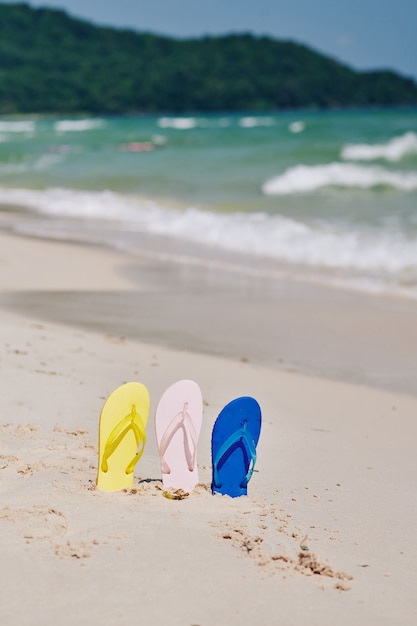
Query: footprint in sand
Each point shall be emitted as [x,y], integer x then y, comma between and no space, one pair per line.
[25,431]
[7,460]
[265,538]
[78,551]
[37,522]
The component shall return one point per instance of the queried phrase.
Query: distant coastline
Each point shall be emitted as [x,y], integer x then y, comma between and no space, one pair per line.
[53,63]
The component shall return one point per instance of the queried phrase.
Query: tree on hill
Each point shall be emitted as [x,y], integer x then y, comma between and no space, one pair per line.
[53,63]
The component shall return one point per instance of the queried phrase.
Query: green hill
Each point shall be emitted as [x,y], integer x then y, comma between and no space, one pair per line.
[53,63]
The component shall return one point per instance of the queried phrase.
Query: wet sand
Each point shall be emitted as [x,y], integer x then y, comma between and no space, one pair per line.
[308,328]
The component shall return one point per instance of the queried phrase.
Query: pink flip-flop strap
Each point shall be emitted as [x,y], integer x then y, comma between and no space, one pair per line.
[181,420]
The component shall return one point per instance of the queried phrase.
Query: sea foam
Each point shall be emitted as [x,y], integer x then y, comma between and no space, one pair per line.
[308,178]
[179,123]
[394,150]
[296,127]
[67,126]
[21,126]
[381,250]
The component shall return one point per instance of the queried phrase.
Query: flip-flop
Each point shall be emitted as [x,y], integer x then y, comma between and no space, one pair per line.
[122,436]
[178,421]
[233,446]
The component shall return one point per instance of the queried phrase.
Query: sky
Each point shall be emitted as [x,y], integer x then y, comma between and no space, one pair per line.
[364,34]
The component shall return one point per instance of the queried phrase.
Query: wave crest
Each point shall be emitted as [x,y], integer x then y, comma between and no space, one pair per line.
[334,247]
[18,126]
[66,126]
[307,178]
[394,150]
[179,123]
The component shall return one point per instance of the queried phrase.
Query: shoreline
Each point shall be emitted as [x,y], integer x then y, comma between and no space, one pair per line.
[123,235]
[287,325]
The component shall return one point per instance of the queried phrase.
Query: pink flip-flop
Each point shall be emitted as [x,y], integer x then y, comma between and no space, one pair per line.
[178,421]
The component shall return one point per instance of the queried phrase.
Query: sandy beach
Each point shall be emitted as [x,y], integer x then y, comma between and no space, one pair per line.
[327,532]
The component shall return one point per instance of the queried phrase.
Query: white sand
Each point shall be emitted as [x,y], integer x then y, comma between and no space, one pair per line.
[336,463]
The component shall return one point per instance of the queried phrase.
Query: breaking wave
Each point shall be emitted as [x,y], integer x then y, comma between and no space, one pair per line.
[179,123]
[21,126]
[308,178]
[394,150]
[259,234]
[67,126]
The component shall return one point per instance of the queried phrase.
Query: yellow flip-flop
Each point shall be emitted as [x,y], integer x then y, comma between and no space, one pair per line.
[122,436]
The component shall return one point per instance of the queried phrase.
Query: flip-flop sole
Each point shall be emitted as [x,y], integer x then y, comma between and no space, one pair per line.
[117,406]
[232,468]
[172,402]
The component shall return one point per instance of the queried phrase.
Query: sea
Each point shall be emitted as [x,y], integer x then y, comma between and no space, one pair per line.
[328,197]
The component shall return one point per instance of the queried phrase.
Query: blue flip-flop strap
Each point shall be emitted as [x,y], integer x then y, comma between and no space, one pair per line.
[242,435]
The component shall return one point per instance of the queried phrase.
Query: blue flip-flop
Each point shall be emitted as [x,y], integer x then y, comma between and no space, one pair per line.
[233,446]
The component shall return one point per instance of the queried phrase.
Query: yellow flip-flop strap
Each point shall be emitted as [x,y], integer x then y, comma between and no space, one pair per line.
[132,421]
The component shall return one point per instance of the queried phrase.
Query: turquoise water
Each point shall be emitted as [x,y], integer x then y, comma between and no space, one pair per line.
[329,196]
